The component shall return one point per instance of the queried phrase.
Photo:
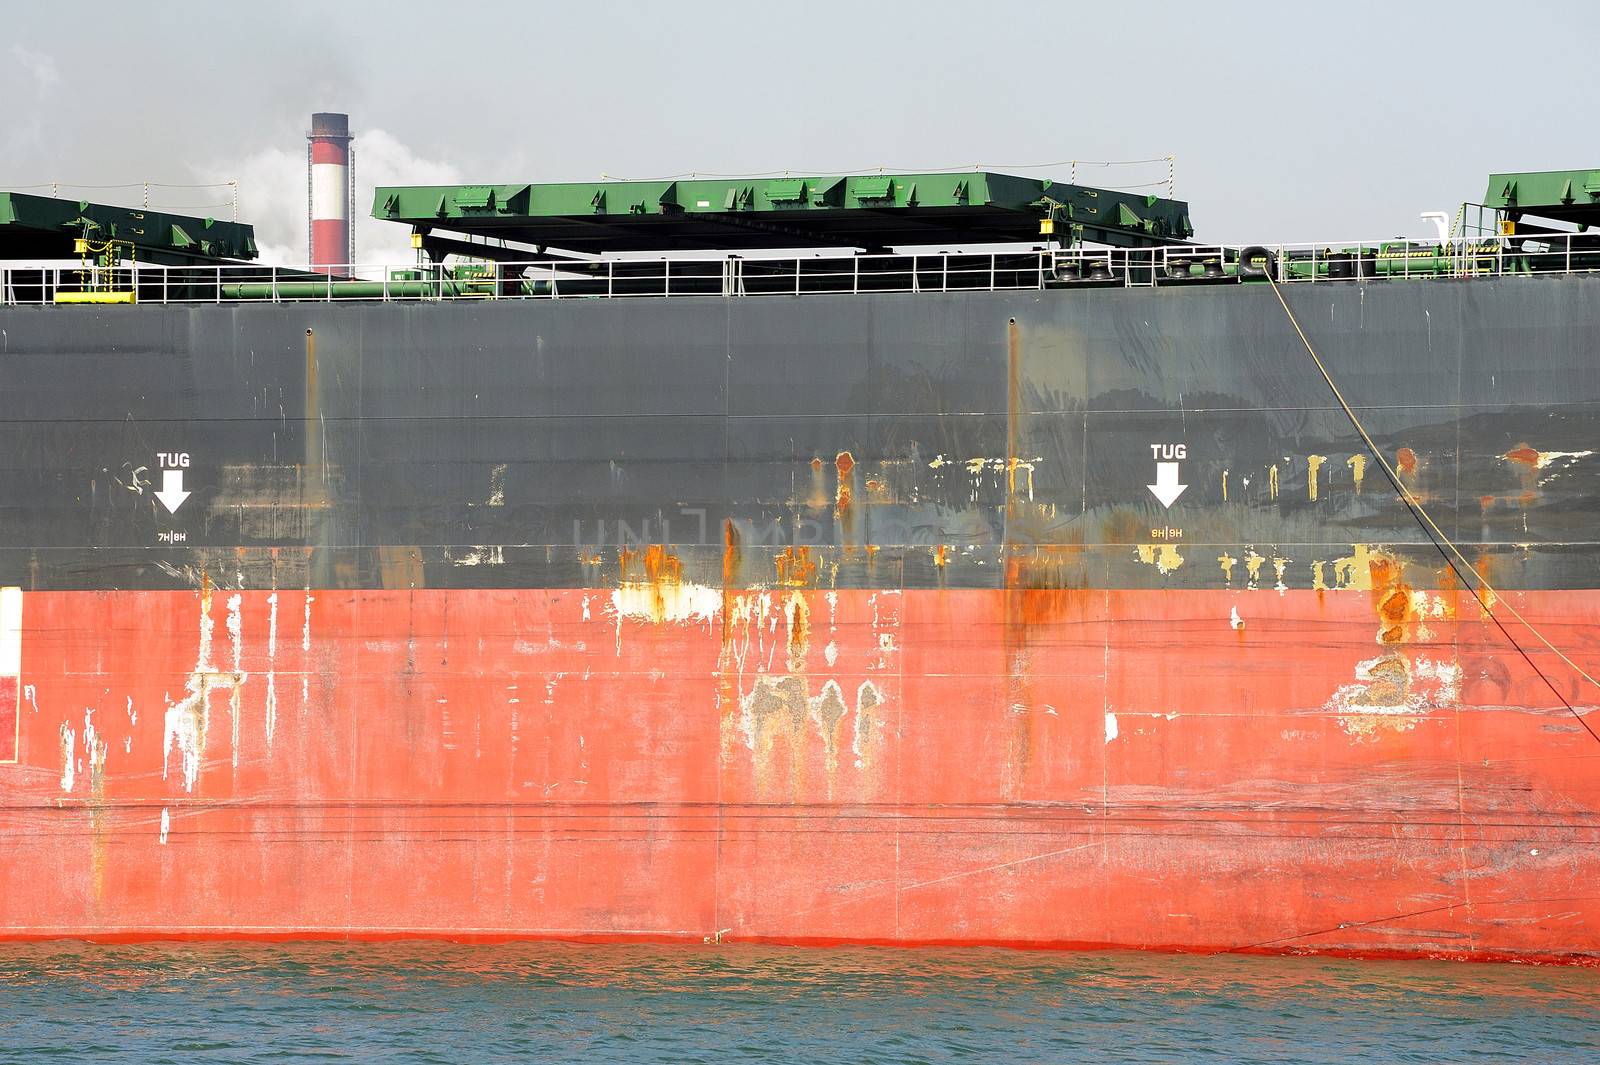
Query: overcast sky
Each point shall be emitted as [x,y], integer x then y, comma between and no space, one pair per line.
[1287,121]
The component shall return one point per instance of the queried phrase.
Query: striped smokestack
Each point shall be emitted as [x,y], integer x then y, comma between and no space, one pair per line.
[330,192]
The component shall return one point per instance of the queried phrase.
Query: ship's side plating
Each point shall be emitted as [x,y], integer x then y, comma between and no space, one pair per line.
[809,619]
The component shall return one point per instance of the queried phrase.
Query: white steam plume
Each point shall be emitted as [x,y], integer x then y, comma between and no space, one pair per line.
[272,196]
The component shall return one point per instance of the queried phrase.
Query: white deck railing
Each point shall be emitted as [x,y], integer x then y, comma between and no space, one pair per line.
[758,274]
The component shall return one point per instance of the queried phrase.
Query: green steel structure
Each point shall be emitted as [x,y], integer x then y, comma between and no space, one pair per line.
[869,211]
[43,227]
[1560,195]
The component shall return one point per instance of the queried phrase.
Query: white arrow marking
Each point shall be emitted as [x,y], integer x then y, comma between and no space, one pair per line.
[172,494]
[1167,489]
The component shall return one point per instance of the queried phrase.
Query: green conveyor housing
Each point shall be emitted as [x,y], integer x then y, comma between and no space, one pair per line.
[1571,196]
[45,227]
[870,211]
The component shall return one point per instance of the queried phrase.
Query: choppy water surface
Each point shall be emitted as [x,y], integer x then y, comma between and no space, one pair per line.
[467,1004]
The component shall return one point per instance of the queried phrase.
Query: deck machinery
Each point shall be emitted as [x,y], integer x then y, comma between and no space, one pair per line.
[109,243]
[789,233]
[883,215]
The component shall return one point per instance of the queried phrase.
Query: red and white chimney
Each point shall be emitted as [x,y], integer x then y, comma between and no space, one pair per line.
[330,192]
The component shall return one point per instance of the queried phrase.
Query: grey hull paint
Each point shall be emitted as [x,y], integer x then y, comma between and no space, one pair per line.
[521,443]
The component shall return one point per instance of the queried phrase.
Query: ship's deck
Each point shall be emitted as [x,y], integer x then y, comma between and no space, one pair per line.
[768,273]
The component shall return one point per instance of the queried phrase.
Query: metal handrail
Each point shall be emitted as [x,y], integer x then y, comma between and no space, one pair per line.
[750,274]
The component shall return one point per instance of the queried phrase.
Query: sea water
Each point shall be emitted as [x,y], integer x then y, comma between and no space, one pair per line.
[463,1004]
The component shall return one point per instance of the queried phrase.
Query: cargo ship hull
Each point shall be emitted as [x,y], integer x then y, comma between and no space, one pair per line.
[817,619]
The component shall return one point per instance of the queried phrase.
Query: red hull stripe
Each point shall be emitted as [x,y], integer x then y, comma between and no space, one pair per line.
[1209,771]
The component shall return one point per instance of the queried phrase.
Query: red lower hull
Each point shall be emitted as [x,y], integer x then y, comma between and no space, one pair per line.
[1192,770]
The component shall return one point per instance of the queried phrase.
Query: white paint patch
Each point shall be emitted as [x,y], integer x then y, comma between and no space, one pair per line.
[69,756]
[1445,676]
[1235,620]
[1111,727]
[272,668]
[133,715]
[869,700]
[188,720]
[235,625]
[1395,691]
[668,602]
[1165,557]
[10,632]
[488,555]
[497,486]
[1566,458]
[586,615]
[305,632]
[867,725]
[1429,684]
[166,825]
[94,746]
[831,653]
[659,603]
[182,731]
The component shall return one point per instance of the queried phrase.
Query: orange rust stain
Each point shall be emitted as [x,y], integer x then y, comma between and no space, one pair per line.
[816,464]
[938,556]
[1405,461]
[1044,584]
[1482,566]
[653,565]
[655,568]
[1523,454]
[1388,682]
[799,632]
[730,553]
[844,495]
[1485,502]
[662,566]
[796,568]
[1526,457]
[1391,597]
[1013,412]
[1125,527]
